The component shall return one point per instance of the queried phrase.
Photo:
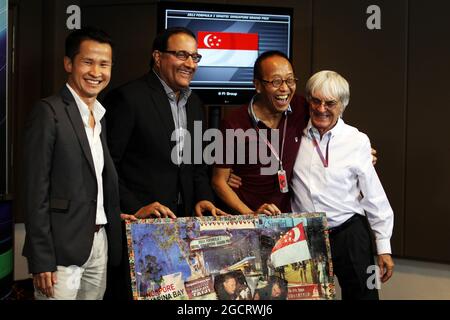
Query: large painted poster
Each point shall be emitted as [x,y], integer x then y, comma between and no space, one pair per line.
[284,257]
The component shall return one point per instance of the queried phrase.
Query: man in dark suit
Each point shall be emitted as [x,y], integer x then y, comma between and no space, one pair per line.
[148,122]
[70,186]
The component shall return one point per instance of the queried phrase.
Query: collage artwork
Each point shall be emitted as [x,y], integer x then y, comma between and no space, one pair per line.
[284,257]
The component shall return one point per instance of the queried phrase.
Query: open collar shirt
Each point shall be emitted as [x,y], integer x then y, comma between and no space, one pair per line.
[95,144]
[348,185]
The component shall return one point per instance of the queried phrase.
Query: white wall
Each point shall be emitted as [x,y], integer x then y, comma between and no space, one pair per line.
[411,280]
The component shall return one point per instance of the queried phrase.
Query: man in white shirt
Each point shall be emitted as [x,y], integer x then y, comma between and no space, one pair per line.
[333,173]
[70,186]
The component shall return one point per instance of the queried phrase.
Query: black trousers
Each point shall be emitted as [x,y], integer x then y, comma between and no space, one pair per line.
[118,280]
[352,254]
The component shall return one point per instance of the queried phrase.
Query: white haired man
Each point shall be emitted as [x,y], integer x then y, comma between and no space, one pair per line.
[333,173]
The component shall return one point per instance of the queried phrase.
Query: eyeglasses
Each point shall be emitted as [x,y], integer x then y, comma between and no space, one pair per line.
[276,83]
[330,104]
[184,55]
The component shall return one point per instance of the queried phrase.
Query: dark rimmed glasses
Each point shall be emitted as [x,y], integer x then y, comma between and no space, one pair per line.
[278,82]
[184,55]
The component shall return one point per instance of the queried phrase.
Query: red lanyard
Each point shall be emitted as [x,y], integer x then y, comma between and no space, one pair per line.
[316,145]
[272,149]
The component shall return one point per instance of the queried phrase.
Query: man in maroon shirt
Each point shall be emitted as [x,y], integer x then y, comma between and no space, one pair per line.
[275,106]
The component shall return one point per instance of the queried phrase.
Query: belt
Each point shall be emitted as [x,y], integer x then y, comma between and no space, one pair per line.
[345,225]
[98,227]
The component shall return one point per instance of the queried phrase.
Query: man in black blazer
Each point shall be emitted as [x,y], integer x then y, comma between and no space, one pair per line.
[148,121]
[70,186]
[144,116]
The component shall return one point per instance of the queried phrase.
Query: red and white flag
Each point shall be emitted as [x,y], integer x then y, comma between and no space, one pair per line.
[291,248]
[227,49]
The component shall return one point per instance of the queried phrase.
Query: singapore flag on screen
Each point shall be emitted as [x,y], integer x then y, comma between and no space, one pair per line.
[290,248]
[227,49]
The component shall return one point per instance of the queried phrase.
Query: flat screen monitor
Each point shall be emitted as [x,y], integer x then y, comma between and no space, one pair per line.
[230,38]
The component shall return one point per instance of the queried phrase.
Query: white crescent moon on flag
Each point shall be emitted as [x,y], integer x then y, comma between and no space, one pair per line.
[297,234]
[205,40]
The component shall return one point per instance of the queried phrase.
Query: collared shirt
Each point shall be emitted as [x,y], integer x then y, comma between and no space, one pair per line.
[258,123]
[95,144]
[178,108]
[257,189]
[255,119]
[348,185]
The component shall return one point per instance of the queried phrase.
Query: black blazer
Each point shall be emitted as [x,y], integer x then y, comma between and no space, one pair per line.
[59,188]
[140,125]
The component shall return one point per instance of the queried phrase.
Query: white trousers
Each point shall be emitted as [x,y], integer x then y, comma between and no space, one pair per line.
[87,282]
